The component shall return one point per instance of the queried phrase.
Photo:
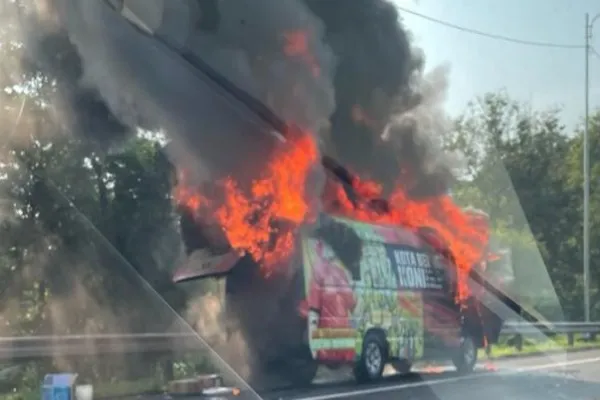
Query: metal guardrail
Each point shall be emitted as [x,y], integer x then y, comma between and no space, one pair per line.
[37,347]
[519,330]
[527,328]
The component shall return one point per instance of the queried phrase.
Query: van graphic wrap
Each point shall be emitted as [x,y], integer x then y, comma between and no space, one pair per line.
[331,296]
[386,293]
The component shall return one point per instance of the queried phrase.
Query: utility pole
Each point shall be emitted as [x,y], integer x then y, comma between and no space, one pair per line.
[586,178]
[586,170]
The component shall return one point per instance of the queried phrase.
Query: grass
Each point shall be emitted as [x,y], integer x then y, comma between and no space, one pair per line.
[191,365]
[125,388]
[557,343]
[101,390]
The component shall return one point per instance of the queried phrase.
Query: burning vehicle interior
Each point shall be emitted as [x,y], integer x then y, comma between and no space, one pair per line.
[292,123]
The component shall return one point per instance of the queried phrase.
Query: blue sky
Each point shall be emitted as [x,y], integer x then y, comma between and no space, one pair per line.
[545,77]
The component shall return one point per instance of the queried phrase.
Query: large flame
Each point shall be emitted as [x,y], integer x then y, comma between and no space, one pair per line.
[260,219]
[462,233]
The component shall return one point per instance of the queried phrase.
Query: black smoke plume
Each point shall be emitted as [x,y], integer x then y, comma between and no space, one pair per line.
[383,115]
[379,85]
[370,105]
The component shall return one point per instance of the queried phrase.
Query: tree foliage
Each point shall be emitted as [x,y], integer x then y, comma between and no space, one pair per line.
[524,168]
[89,233]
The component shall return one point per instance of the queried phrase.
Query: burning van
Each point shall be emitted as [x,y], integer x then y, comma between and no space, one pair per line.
[356,272]
[356,293]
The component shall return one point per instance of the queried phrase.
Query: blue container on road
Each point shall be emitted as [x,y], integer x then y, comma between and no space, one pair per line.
[59,387]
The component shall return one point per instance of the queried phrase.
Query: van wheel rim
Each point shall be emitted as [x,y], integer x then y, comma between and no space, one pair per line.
[468,352]
[373,358]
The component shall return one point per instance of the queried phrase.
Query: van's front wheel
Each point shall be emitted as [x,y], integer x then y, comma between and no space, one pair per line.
[466,356]
[372,360]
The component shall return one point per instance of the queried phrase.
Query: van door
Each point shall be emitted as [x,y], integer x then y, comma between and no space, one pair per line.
[496,301]
[442,313]
[442,318]
[421,293]
[332,270]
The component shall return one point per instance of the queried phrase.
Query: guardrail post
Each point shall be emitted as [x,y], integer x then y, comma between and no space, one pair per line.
[519,342]
[571,339]
[168,369]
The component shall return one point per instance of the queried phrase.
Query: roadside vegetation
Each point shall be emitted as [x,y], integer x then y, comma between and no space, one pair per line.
[557,343]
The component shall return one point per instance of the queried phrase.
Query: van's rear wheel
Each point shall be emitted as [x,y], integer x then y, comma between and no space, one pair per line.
[372,360]
[466,356]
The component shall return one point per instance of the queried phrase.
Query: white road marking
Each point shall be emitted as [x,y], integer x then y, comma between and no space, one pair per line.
[362,392]
[557,364]
[384,389]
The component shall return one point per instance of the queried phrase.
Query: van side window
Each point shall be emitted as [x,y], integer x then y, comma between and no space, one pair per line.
[345,243]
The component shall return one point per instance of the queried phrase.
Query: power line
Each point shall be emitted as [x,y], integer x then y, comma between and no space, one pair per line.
[492,35]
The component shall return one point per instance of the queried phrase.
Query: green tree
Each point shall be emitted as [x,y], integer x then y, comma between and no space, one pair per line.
[515,170]
[575,181]
[82,220]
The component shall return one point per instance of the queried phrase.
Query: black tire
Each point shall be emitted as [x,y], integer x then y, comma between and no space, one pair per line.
[403,367]
[369,367]
[301,371]
[466,357]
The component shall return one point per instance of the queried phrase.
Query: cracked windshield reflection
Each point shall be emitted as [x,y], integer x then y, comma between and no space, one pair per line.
[298,199]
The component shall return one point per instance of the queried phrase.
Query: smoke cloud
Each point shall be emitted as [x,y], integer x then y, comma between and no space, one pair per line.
[146,84]
[207,315]
[382,97]
[345,71]
[415,132]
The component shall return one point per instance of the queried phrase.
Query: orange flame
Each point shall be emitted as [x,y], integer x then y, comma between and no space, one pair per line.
[465,233]
[251,219]
[260,220]
[432,369]
[489,366]
[296,45]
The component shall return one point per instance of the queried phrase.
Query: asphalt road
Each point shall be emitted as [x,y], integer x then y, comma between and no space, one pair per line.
[550,377]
